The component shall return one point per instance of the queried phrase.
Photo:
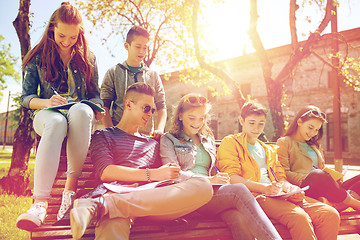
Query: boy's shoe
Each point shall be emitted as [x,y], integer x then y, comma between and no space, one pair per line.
[67,201]
[84,212]
[33,218]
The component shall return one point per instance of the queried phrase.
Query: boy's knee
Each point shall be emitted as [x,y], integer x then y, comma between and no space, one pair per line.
[203,188]
[116,228]
[330,215]
[299,218]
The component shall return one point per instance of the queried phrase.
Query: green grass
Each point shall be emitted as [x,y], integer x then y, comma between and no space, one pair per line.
[11,206]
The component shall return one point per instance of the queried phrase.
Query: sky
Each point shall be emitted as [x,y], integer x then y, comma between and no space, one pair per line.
[226,25]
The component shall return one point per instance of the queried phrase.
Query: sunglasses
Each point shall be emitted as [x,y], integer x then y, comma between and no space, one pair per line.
[315,113]
[147,108]
[196,99]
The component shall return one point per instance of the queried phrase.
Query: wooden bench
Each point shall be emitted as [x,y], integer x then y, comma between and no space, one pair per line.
[198,228]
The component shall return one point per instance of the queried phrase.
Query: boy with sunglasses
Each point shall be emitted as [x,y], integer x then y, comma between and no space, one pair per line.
[133,70]
[124,155]
[249,161]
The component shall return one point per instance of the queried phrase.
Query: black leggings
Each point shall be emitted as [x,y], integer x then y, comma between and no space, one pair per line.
[323,185]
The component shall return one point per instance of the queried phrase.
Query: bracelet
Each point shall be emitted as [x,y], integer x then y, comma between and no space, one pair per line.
[148,175]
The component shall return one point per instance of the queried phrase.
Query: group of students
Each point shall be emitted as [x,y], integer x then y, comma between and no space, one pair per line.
[237,182]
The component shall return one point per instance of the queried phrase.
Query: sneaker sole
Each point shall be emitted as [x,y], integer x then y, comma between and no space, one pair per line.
[27,225]
[75,228]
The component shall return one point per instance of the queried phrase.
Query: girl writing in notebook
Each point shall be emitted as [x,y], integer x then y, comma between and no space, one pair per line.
[302,157]
[190,144]
[62,61]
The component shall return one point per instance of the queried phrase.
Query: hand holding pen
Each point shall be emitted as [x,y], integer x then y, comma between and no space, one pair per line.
[220,177]
[274,188]
[56,99]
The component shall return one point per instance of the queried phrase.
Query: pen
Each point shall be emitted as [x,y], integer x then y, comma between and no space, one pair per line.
[216,170]
[55,92]
[315,167]
[273,173]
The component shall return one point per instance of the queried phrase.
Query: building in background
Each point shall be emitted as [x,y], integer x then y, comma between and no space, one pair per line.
[310,84]
[10,129]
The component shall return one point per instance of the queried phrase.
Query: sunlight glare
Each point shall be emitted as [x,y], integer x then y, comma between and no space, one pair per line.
[226,26]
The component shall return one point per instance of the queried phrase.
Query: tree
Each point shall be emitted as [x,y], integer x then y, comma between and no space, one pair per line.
[349,69]
[169,25]
[275,87]
[17,179]
[172,23]
[162,18]
[7,63]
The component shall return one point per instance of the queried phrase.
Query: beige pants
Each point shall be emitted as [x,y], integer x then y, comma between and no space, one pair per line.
[164,203]
[308,220]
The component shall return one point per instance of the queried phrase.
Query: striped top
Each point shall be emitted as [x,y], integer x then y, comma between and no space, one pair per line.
[112,146]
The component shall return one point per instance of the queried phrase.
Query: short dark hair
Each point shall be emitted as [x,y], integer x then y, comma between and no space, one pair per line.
[136,31]
[140,87]
[252,107]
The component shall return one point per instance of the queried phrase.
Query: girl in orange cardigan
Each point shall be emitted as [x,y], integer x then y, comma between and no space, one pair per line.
[301,155]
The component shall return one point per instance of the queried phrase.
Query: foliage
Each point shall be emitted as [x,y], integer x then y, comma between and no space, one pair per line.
[169,25]
[350,71]
[7,64]
[165,20]
[15,116]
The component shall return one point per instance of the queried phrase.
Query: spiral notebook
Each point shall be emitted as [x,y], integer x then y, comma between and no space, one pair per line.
[289,193]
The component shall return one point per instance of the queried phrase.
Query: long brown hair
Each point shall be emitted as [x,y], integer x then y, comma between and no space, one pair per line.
[50,58]
[184,105]
[305,114]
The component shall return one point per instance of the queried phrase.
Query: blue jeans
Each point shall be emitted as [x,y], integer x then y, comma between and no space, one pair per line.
[236,206]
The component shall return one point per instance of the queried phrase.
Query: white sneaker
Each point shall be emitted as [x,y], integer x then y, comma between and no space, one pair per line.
[85,211]
[33,218]
[67,201]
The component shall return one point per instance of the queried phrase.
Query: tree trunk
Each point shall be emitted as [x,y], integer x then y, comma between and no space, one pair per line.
[17,180]
[274,88]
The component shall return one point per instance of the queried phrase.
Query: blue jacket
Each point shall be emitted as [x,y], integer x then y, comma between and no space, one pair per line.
[184,154]
[33,79]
